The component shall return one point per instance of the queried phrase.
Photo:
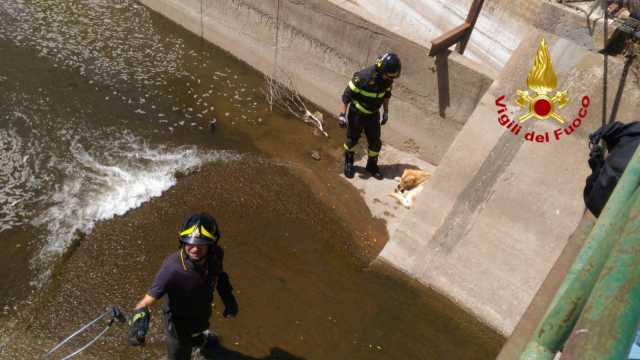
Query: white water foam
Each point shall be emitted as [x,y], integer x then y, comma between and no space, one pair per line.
[19,163]
[101,186]
[14,172]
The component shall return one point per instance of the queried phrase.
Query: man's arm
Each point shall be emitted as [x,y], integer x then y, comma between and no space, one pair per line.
[146,301]
[141,317]
[385,104]
[139,321]
[347,96]
[225,290]
[349,91]
[343,108]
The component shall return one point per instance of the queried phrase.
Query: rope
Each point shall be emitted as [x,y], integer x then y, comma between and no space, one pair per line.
[275,54]
[606,61]
[89,343]
[201,19]
[83,328]
[277,37]
[115,315]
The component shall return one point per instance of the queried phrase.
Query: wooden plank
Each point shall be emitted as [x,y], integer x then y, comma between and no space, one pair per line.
[449,38]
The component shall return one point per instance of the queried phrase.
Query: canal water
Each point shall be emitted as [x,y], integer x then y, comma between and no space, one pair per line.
[115,125]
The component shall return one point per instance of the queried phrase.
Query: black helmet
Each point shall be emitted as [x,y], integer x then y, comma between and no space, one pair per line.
[199,229]
[389,65]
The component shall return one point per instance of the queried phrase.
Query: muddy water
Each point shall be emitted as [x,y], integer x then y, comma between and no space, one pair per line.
[101,98]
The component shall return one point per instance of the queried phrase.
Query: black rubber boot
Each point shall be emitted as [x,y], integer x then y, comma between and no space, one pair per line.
[373,169]
[349,170]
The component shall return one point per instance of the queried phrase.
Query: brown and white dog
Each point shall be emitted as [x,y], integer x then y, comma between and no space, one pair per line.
[409,186]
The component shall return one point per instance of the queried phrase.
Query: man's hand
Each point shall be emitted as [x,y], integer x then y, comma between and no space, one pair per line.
[385,117]
[230,307]
[225,290]
[596,157]
[342,120]
[139,326]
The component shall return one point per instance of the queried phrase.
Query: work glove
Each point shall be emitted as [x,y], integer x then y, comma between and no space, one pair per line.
[342,120]
[385,117]
[596,157]
[225,290]
[231,309]
[139,326]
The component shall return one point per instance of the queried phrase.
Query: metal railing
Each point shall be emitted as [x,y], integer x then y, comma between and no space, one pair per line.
[595,312]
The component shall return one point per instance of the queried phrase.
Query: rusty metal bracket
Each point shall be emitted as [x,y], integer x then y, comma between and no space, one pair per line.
[459,35]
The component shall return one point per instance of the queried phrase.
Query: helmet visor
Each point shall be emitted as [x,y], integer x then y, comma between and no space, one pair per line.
[393,75]
[196,235]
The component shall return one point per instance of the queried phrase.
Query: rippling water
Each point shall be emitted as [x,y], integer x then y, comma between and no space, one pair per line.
[109,41]
[70,160]
[103,105]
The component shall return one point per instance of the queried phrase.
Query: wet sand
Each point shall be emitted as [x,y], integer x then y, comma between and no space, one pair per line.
[298,239]
[298,283]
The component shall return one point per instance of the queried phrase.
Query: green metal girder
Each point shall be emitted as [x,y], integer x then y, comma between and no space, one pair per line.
[562,315]
[609,321]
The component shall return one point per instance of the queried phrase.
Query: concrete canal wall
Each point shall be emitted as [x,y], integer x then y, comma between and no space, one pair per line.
[499,209]
[498,31]
[319,46]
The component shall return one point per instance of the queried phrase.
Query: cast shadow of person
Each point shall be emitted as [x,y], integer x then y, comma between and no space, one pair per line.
[222,353]
[389,171]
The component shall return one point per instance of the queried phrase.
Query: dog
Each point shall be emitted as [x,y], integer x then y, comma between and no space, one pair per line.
[410,186]
[411,178]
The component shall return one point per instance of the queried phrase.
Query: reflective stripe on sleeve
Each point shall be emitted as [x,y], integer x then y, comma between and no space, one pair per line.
[360,107]
[357,90]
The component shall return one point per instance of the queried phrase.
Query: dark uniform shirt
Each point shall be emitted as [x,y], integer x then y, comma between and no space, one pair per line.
[367,90]
[190,292]
[622,140]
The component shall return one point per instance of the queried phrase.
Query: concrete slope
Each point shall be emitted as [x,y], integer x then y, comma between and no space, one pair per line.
[499,209]
[318,46]
[498,31]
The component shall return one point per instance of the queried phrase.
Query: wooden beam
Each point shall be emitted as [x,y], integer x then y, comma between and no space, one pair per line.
[449,38]
[472,17]
[474,11]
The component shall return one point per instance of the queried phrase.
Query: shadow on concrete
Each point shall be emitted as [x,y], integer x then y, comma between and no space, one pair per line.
[591,25]
[222,353]
[525,329]
[442,70]
[389,171]
[623,80]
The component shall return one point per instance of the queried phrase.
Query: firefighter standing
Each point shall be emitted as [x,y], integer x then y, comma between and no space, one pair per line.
[369,89]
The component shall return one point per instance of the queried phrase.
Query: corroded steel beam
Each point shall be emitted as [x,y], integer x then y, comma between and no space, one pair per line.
[607,327]
[563,313]
[472,17]
[459,34]
[449,38]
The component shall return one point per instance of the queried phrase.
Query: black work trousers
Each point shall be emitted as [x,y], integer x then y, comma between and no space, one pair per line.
[180,346]
[358,121]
